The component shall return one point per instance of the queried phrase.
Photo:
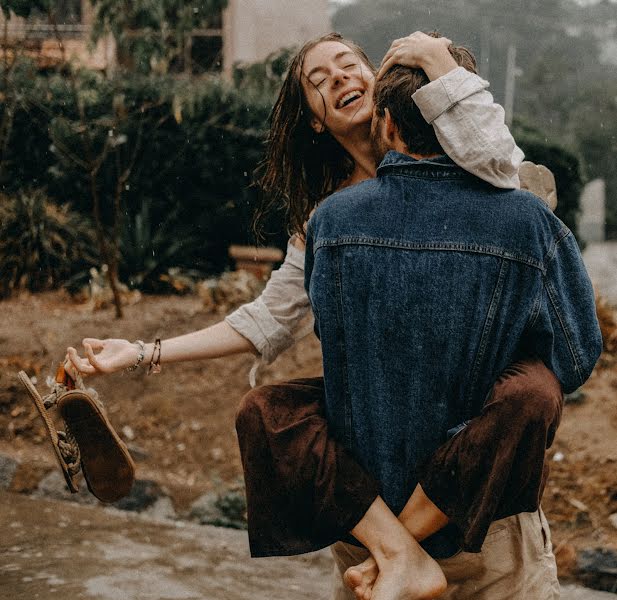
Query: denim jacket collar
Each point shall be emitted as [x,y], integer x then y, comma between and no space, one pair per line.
[438,167]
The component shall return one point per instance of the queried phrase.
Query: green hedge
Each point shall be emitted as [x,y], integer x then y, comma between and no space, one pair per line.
[193,146]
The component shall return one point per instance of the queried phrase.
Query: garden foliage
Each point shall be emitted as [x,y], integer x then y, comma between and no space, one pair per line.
[172,160]
[42,244]
[564,163]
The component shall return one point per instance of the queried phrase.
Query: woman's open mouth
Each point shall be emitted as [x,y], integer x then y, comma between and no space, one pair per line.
[349,98]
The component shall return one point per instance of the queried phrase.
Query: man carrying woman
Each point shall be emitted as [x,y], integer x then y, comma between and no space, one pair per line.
[315,490]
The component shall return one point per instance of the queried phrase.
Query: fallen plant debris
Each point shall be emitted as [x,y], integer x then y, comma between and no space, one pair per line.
[607,316]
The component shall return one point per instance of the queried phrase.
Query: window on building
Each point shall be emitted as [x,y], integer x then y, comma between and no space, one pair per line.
[67,14]
[206,53]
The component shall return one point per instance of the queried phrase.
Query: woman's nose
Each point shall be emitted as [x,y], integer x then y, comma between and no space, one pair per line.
[339,76]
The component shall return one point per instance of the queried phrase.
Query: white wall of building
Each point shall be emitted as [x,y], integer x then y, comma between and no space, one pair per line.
[592,218]
[253,29]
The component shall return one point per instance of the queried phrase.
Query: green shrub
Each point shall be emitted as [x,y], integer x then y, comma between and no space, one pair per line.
[195,145]
[151,252]
[42,245]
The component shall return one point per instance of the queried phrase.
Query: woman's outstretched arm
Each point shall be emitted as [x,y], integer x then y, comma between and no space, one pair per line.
[111,355]
[265,327]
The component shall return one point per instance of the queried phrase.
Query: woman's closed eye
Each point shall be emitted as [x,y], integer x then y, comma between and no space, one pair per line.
[319,83]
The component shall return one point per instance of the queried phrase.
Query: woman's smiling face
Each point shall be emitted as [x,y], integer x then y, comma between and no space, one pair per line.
[338,87]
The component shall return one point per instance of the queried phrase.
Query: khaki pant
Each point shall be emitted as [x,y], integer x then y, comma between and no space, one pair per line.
[516,563]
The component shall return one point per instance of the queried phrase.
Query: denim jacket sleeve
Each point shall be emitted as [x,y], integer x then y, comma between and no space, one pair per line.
[471,127]
[565,332]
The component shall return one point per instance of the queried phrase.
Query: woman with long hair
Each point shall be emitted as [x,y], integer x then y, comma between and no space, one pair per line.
[314,492]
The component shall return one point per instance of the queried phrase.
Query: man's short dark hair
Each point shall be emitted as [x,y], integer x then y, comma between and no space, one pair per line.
[394,90]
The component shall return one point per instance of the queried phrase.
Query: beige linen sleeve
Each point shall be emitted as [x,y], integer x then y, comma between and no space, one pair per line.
[272,321]
[471,127]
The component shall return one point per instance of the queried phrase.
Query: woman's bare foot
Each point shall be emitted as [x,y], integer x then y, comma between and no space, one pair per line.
[361,578]
[411,575]
[404,570]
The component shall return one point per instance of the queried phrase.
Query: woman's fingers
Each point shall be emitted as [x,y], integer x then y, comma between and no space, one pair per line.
[388,54]
[93,359]
[79,364]
[94,343]
[390,61]
[412,51]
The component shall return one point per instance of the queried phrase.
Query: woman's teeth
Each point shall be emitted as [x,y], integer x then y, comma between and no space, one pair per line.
[348,98]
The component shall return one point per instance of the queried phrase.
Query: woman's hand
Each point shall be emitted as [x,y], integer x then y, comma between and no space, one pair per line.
[420,51]
[111,355]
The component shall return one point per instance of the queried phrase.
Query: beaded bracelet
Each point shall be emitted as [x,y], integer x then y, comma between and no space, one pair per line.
[140,356]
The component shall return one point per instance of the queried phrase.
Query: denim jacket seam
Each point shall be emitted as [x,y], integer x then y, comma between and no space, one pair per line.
[488,323]
[552,295]
[535,310]
[347,432]
[439,246]
[561,235]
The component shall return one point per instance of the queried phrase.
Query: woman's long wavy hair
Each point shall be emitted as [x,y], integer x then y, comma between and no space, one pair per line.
[301,167]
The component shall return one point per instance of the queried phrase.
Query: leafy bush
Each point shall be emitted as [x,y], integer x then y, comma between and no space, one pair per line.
[42,245]
[192,147]
[151,252]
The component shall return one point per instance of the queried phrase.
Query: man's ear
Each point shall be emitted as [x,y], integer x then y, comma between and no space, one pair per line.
[317,125]
[391,130]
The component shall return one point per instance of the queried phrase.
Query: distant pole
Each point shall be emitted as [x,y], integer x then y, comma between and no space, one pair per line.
[510,83]
[485,48]
[188,53]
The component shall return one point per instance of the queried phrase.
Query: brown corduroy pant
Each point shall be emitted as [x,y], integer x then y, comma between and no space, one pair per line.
[305,491]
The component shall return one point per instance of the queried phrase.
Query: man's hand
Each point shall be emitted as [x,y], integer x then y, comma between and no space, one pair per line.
[112,355]
[420,51]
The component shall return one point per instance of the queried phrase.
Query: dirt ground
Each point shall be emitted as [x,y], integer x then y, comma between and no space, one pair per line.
[180,424]
[114,555]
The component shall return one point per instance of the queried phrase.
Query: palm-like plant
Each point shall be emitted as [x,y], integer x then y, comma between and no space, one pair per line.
[152,252]
[42,245]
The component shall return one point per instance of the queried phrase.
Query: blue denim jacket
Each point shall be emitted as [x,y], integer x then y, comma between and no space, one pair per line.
[426,283]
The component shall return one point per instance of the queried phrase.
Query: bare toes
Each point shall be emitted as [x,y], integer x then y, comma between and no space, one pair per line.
[353,578]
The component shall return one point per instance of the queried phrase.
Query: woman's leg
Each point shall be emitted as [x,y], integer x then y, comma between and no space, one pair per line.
[405,570]
[491,469]
[495,467]
[304,491]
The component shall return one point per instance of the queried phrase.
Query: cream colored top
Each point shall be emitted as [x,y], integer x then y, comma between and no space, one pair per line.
[470,128]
